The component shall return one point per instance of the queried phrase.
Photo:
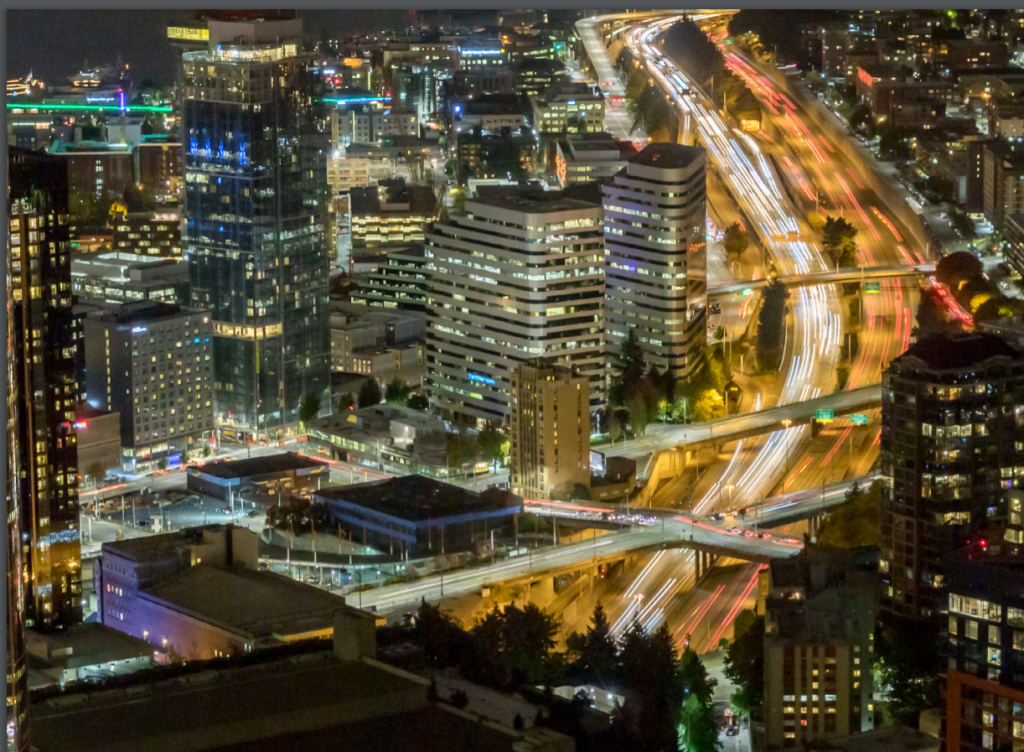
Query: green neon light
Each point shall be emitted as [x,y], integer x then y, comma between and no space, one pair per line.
[90,107]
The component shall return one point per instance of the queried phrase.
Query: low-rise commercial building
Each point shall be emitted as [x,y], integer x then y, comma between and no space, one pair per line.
[116,278]
[196,594]
[150,362]
[99,438]
[86,651]
[419,516]
[568,108]
[263,476]
[819,647]
[379,343]
[584,157]
[400,282]
[156,233]
[391,213]
[395,439]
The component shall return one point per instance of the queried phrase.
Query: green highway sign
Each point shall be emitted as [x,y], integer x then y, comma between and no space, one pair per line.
[859,419]
[825,416]
[747,292]
[872,286]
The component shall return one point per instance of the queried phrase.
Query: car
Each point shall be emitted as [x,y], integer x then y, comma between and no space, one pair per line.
[747,534]
[254,513]
[764,535]
[718,516]
[145,523]
[732,730]
[225,510]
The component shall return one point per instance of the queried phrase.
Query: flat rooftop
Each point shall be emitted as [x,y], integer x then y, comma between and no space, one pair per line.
[533,203]
[86,644]
[943,351]
[417,498]
[258,604]
[274,463]
[667,156]
[156,547]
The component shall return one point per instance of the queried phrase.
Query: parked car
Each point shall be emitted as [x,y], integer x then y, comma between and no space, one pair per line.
[732,730]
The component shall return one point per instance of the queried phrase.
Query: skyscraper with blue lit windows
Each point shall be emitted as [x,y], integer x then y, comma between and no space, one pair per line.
[256,140]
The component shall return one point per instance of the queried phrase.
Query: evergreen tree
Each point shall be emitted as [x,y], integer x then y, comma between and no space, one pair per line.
[631,367]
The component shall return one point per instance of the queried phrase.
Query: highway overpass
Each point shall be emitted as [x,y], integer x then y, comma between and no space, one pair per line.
[862,274]
[734,427]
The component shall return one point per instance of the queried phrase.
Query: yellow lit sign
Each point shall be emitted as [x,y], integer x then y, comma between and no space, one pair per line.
[188,34]
[353,62]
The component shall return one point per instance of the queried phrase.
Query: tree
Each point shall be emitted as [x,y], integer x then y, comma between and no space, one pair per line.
[638,418]
[857,522]
[346,402]
[736,239]
[709,406]
[956,268]
[418,402]
[907,666]
[493,443]
[396,392]
[596,653]
[719,333]
[744,659]
[771,323]
[614,427]
[309,407]
[934,318]
[651,673]
[839,239]
[369,393]
[96,473]
[521,638]
[631,367]
[460,449]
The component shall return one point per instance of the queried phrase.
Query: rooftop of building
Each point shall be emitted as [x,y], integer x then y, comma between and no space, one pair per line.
[311,701]
[418,498]
[958,351]
[144,311]
[85,411]
[374,200]
[530,202]
[156,547]
[259,605]
[274,463]
[1010,152]
[667,156]
[86,644]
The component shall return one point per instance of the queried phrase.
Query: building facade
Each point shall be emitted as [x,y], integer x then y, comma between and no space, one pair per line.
[819,648]
[656,256]
[17,662]
[152,363]
[148,234]
[513,278]
[952,447]
[256,146]
[40,272]
[549,403]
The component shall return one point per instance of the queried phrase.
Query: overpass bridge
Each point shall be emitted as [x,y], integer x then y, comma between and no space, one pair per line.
[734,427]
[862,274]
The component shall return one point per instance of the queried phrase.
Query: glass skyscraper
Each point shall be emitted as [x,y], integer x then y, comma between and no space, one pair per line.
[256,143]
[43,378]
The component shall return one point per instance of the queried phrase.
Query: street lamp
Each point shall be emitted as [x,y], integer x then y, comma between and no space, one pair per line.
[785,438]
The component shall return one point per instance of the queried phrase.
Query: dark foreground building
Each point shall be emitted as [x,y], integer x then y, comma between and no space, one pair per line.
[44,371]
[953,454]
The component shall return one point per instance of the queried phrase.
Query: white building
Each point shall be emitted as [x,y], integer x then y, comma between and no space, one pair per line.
[512,278]
[656,256]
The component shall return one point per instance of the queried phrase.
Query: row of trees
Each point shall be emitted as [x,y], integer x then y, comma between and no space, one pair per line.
[511,648]
[771,325]
[839,239]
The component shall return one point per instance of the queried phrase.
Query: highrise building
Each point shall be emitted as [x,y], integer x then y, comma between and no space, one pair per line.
[550,430]
[256,146]
[151,362]
[656,256]
[17,667]
[44,379]
[952,453]
[513,277]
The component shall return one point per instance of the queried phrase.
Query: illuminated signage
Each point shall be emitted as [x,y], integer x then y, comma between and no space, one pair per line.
[138,329]
[481,52]
[188,34]
[80,425]
[481,379]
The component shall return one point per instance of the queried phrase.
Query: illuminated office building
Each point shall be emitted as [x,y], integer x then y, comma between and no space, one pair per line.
[656,256]
[515,276]
[256,146]
[44,377]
